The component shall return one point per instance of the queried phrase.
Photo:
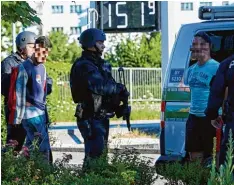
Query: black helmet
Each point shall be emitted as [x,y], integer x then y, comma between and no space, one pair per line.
[24,38]
[89,37]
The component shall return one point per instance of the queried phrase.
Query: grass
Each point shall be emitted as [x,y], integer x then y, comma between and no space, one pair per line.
[134,134]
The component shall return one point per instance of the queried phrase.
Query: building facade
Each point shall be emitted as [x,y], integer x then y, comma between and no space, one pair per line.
[70,17]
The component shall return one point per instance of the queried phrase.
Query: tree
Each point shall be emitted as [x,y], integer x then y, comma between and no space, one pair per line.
[19,11]
[12,12]
[73,52]
[135,53]
[6,35]
[61,50]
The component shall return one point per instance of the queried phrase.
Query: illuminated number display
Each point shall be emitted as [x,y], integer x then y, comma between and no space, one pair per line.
[129,16]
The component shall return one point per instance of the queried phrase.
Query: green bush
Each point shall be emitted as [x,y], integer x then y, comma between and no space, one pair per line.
[123,169]
[3,122]
[194,173]
[225,174]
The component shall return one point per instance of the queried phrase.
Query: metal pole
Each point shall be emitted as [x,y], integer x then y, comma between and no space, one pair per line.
[94,19]
[131,90]
[101,21]
[13,37]
[88,18]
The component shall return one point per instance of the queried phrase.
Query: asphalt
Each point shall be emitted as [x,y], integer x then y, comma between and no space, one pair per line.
[66,137]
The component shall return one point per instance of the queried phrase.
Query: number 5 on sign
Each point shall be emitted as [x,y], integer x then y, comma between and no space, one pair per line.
[122,15]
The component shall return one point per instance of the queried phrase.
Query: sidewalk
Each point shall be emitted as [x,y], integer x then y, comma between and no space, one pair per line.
[67,138]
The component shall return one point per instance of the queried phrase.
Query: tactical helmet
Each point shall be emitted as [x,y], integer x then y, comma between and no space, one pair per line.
[89,37]
[24,38]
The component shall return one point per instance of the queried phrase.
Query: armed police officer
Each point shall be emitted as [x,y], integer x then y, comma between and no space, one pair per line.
[224,79]
[96,93]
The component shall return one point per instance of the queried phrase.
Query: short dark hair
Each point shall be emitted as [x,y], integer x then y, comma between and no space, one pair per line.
[44,41]
[204,35]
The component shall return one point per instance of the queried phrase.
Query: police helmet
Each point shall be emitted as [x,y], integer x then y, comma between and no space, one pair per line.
[24,38]
[89,37]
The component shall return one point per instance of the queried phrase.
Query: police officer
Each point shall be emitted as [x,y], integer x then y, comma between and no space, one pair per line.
[224,79]
[92,86]
[25,48]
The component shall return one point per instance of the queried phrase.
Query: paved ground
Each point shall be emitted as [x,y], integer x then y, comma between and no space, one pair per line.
[65,138]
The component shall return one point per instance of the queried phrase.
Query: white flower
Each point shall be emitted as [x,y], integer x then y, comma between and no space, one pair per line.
[144,96]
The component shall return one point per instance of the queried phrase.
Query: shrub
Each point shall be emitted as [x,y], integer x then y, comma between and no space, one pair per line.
[194,173]
[225,174]
[123,169]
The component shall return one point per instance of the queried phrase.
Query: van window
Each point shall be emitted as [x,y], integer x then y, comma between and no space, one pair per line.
[222,45]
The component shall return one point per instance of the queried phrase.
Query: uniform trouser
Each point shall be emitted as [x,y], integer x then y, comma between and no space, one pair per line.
[95,134]
[223,149]
[37,132]
[15,132]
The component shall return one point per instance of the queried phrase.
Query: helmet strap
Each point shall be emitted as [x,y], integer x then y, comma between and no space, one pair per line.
[22,54]
[98,51]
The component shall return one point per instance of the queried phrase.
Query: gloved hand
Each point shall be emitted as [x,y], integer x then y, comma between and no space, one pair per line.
[122,110]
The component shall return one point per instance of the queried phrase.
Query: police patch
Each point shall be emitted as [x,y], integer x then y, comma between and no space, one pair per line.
[231,64]
[38,79]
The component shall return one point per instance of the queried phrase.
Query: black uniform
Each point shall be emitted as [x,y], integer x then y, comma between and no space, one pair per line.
[92,88]
[224,78]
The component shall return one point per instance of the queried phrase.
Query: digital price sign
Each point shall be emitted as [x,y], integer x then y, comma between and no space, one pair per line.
[130,16]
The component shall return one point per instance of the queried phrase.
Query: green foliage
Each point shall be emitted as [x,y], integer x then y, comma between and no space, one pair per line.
[18,11]
[3,122]
[6,35]
[62,108]
[194,173]
[130,53]
[60,103]
[125,168]
[190,173]
[224,176]
[12,12]
[61,50]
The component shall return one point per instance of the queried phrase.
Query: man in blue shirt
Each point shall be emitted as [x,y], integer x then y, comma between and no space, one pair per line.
[199,132]
[28,106]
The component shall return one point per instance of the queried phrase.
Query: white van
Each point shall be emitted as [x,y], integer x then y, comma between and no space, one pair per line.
[176,98]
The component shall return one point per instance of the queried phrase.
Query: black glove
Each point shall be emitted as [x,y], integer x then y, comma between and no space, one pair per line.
[122,110]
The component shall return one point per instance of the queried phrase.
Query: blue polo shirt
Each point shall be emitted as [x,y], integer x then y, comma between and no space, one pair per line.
[198,77]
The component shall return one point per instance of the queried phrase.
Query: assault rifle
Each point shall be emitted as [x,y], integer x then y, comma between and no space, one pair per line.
[127,108]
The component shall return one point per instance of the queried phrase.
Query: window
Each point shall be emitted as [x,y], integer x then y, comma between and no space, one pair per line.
[75,8]
[57,9]
[57,29]
[225,3]
[205,3]
[186,6]
[75,30]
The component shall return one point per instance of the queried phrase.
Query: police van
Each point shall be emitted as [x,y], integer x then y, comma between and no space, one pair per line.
[219,25]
